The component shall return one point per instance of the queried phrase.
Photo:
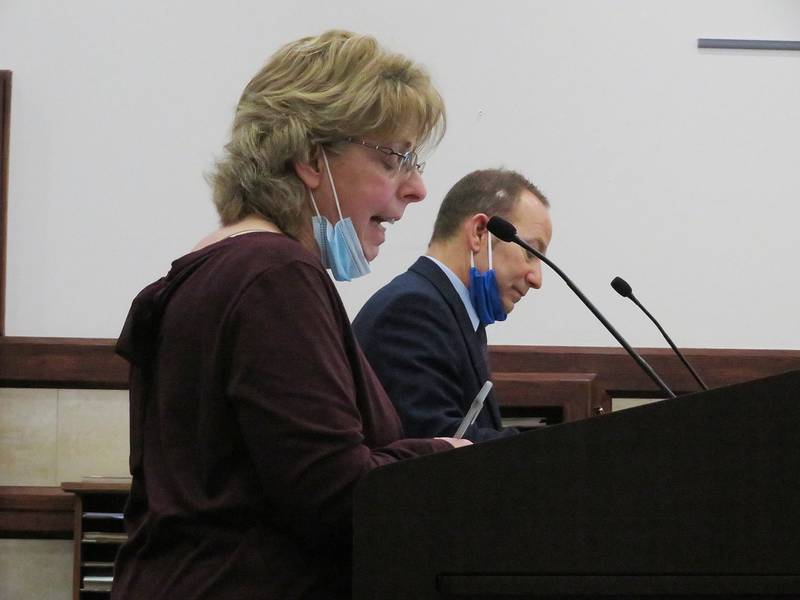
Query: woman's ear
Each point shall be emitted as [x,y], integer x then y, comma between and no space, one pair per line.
[475,230]
[309,172]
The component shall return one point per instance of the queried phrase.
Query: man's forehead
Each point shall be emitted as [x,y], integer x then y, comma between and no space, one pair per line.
[532,220]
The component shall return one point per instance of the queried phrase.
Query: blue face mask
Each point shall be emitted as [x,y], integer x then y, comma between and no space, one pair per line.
[339,246]
[484,293]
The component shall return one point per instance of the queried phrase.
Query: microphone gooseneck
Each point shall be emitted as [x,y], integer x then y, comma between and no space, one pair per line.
[624,289]
[508,233]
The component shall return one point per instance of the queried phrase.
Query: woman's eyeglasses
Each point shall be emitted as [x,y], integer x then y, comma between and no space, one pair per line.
[407,162]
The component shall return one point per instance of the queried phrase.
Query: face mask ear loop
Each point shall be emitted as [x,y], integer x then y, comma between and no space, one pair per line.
[313,202]
[330,178]
[490,251]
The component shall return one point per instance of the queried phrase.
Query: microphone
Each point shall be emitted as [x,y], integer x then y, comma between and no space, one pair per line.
[508,233]
[624,289]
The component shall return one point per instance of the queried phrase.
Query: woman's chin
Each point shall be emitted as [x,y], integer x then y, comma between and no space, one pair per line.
[370,251]
[371,246]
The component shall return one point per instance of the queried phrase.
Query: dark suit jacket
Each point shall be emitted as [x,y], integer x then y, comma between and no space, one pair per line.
[418,338]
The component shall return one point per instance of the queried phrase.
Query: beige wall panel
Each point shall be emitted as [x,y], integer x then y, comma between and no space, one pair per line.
[92,433]
[35,569]
[623,403]
[28,426]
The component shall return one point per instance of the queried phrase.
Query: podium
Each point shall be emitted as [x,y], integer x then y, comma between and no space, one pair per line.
[699,495]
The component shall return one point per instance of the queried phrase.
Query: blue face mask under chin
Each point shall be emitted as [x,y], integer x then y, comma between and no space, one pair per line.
[339,246]
[484,293]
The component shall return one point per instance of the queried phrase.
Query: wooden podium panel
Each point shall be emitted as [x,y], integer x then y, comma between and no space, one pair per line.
[697,495]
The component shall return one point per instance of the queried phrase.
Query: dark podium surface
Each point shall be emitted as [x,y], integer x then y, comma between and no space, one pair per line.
[692,496]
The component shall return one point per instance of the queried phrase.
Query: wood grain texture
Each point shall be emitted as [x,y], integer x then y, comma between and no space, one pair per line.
[5,139]
[620,376]
[83,363]
[36,512]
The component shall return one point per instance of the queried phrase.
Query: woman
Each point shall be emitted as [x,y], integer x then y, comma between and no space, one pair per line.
[253,411]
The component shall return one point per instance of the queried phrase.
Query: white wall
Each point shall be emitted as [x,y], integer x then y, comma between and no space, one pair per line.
[674,167]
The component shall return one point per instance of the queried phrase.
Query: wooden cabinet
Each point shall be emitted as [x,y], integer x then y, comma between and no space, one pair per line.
[530,400]
[98,533]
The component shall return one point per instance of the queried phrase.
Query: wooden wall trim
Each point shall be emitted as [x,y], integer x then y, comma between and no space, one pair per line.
[91,363]
[36,512]
[61,363]
[5,138]
[620,376]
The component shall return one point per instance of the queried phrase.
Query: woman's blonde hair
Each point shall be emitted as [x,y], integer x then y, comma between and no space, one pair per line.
[314,91]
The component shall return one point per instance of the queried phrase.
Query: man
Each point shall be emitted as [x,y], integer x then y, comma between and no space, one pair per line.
[423,333]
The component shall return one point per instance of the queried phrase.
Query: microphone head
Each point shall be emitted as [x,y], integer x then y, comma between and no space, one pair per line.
[621,286]
[502,229]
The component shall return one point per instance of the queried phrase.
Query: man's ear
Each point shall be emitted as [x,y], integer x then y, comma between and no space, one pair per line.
[475,229]
[309,172]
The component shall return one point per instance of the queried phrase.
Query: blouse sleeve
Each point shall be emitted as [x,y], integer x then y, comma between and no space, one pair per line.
[292,385]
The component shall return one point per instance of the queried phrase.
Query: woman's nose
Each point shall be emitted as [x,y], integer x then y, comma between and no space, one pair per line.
[413,188]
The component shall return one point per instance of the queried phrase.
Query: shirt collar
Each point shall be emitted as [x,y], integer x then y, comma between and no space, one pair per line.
[461,290]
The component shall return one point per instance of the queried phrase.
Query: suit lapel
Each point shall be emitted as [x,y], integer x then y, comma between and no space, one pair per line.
[431,271]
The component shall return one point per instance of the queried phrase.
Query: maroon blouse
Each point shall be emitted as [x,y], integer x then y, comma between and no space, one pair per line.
[253,415]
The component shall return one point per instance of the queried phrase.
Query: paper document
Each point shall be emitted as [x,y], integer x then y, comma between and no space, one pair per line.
[472,413]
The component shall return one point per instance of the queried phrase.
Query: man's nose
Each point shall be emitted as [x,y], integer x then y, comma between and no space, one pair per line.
[534,277]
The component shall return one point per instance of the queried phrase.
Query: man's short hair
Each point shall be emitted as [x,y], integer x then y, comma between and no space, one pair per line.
[489,191]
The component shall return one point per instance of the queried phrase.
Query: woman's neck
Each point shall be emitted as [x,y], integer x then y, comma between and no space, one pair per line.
[248,224]
[306,238]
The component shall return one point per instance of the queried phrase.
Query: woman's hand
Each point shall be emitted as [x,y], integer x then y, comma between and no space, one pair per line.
[455,442]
